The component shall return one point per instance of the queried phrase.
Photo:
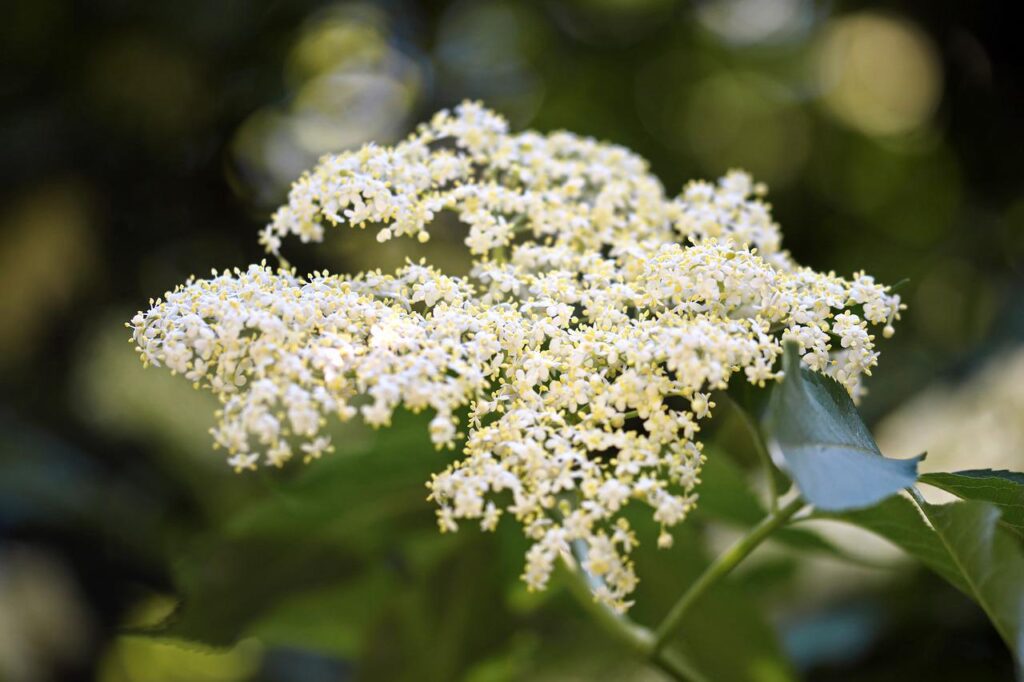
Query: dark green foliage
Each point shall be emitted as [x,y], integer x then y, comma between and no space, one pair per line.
[965,544]
[1004,489]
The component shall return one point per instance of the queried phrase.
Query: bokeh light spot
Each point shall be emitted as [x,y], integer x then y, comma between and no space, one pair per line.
[349,82]
[746,22]
[878,74]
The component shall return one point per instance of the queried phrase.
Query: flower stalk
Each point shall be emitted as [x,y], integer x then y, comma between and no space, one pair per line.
[721,567]
[652,645]
[637,638]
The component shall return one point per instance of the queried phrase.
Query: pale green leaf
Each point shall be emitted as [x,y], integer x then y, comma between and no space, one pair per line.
[813,429]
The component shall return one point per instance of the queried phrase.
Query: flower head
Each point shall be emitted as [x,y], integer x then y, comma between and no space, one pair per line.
[580,350]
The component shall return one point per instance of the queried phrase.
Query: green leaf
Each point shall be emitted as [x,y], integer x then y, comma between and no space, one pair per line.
[335,620]
[901,523]
[345,558]
[358,512]
[726,493]
[726,496]
[967,546]
[226,585]
[812,426]
[1005,489]
[991,562]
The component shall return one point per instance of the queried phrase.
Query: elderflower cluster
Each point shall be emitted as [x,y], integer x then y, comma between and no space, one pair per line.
[574,363]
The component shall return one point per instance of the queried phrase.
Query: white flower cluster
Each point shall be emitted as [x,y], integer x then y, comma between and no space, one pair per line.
[578,354]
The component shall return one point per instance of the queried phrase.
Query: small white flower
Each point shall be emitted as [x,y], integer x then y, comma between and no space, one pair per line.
[594,302]
[315,448]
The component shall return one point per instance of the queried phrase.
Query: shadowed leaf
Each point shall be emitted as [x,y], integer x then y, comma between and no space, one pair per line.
[965,544]
[812,429]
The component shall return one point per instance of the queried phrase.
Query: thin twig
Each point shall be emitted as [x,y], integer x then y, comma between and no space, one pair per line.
[721,567]
[639,639]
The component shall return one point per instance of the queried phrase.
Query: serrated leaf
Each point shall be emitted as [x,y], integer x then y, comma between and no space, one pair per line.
[991,561]
[967,546]
[1004,489]
[812,429]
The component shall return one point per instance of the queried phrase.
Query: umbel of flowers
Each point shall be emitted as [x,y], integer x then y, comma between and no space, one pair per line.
[580,350]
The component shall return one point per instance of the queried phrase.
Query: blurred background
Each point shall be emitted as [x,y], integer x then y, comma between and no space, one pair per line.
[143,142]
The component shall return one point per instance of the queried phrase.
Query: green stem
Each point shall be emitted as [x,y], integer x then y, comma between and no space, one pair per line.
[675,666]
[721,567]
[637,638]
[633,635]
